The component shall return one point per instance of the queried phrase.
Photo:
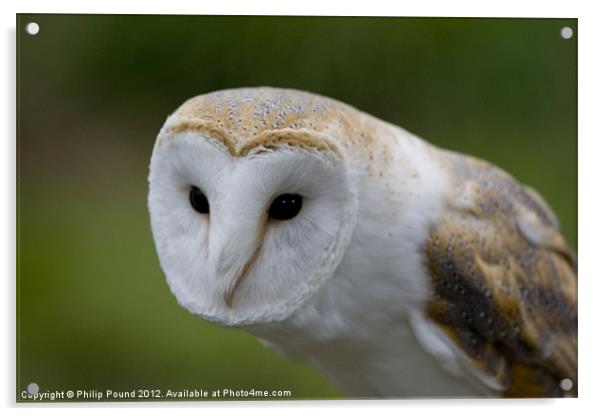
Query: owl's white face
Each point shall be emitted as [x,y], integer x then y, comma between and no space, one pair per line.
[247,239]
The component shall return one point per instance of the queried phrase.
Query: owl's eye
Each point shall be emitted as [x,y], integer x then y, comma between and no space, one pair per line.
[198,200]
[285,206]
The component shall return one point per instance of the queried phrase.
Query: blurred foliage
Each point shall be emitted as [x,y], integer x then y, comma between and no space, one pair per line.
[93,91]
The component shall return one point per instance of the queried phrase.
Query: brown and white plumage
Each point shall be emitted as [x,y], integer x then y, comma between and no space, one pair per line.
[410,271]
[504,281]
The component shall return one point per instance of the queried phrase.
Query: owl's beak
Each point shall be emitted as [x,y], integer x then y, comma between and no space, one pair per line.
[236,248]
[231,290]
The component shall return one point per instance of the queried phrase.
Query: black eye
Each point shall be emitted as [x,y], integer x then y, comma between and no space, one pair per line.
[286,206]
[198,200]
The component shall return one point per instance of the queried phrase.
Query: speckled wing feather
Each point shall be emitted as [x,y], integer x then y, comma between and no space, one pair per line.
[505,283]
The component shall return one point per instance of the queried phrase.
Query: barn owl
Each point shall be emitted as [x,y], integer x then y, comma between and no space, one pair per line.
[395,267]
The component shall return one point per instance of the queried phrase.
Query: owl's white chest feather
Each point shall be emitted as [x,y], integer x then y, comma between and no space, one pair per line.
[358,328]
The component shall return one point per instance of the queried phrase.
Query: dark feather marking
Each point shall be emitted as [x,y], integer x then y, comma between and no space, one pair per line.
[509,303]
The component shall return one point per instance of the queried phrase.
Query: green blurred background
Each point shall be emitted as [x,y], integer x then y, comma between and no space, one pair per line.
[94,310]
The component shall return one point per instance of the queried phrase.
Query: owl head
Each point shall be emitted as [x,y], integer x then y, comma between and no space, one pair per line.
[252,202]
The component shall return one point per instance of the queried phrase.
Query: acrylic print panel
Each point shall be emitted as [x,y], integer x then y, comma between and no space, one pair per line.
[374,265]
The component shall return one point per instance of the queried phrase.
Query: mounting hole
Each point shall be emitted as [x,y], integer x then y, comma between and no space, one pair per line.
[566,384]
[32,28]
[33,388]
[566,32]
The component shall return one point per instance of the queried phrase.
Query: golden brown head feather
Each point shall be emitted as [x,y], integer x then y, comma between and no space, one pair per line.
[504,282]
[246,119]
